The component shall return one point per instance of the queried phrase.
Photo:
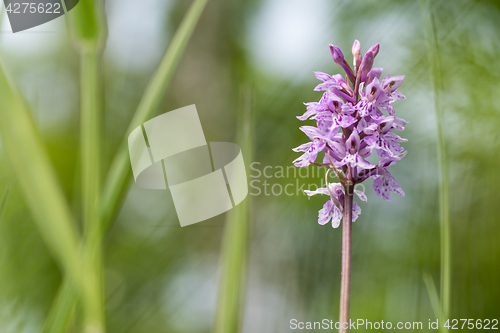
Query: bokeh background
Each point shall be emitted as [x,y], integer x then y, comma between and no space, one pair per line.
[164,278]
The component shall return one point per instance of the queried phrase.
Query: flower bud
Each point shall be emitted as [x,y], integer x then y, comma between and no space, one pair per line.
[337,55]
[374,49]
[356,52]
[367,63]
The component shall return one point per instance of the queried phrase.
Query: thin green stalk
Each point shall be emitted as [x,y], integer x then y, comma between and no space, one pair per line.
[90,137]
[234,259]
[91,114]
[90,148]
[119,173]
[443,164]
[235,242]
[86,25]
[40,186]
[90,156]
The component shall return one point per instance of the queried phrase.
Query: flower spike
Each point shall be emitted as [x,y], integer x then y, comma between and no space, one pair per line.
[351,125]
[354,119]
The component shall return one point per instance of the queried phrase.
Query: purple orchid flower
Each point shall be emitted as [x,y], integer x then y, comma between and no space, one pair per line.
[385,183]
[350,124]
[382,139]
[372,99]
[328,81]
[333,108]
[353,119]
[355,154]
[330,210]
[374,73]
[319,138]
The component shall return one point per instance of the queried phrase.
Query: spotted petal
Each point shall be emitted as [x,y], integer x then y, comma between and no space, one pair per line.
[329,212]
[384,184]
[344,121]
[361,195]
[356,211]
[322,76]
[311,110]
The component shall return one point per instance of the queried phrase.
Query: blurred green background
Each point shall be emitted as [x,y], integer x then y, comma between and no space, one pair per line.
[164,278]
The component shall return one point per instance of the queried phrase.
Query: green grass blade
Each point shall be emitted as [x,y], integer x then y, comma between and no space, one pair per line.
[38,181]
[62,309]
[434,298]
[85,23]
[90,145]
[443,164]
[235,242]
[120,170]
[433,294]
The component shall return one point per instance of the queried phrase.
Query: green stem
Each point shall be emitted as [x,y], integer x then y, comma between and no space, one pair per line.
[86,23]
[40,186]
[235,241]
[443,164]
[90,137]
[90,156]
[234,258]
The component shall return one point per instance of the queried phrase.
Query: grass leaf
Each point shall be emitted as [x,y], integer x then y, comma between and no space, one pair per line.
[235,242]
[433,294]
[39,183]
[59,317]
[120,170]
[85,24]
